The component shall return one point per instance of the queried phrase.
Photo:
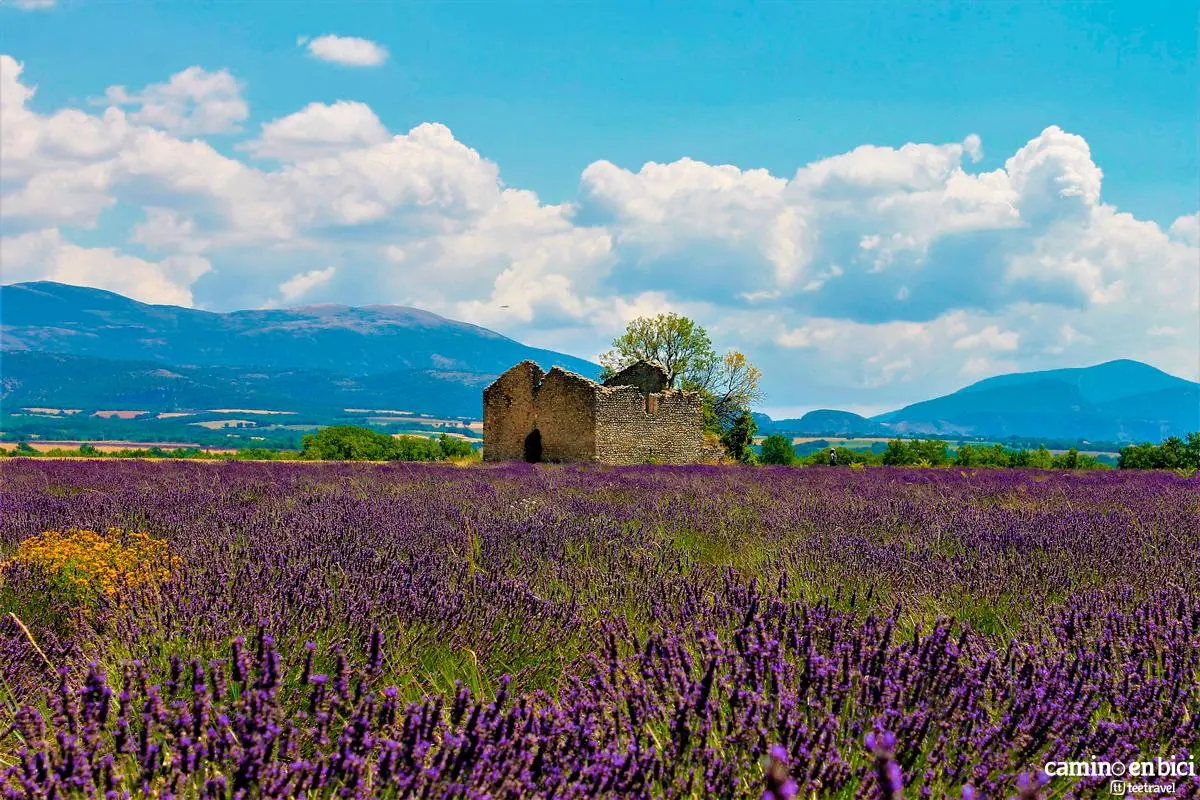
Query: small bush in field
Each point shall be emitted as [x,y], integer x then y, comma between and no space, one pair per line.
[80,565]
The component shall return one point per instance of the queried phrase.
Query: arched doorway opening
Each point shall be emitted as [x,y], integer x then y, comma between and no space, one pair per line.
[533,446]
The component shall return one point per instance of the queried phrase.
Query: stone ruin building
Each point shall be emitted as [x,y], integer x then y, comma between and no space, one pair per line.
[632,418]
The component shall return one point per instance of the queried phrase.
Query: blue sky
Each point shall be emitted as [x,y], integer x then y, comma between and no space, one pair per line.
[544,89]
[1042,265]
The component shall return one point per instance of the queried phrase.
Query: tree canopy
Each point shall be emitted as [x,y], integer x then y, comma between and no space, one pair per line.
[777,449]
[1172,453]
[740,436]
[352,443]
[728,383]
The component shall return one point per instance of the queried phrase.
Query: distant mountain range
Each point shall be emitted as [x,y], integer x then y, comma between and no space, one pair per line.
[1115,401]
[74,347]
[70,346]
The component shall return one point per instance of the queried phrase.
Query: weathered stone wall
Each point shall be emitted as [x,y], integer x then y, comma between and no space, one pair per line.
[510,412]
[647,377]
[575,419]
[566,416]
[712,451]
[663,428]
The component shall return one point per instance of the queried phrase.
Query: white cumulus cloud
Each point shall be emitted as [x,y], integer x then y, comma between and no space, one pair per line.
[989,338]
[192,102]
[880,275]
[45,255]
[349,51]
[301,284]
[319,130]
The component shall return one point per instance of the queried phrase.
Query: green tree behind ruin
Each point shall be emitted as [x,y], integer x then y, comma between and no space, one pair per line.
[728,383]
[777,449]
[739,438]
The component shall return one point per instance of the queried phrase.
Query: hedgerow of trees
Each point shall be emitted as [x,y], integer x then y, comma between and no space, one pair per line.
[937,453]
[352,443]
[336,443]
[1172,453]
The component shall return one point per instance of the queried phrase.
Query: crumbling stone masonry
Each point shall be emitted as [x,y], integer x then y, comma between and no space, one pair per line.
[632,418]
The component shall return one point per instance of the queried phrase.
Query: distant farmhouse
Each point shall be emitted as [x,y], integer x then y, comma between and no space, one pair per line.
[632,418]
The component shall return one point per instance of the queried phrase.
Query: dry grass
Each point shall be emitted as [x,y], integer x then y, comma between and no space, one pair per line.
[113,446]
[377,411]
[448,434]
[247,411]
[840,439]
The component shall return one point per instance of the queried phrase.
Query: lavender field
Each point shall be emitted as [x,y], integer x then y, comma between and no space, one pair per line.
[508,632]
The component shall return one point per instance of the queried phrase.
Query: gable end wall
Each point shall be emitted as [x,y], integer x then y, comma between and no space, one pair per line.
[566,417]
[510,411]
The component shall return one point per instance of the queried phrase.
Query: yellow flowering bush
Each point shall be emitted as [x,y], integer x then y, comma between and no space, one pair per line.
[85,564]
